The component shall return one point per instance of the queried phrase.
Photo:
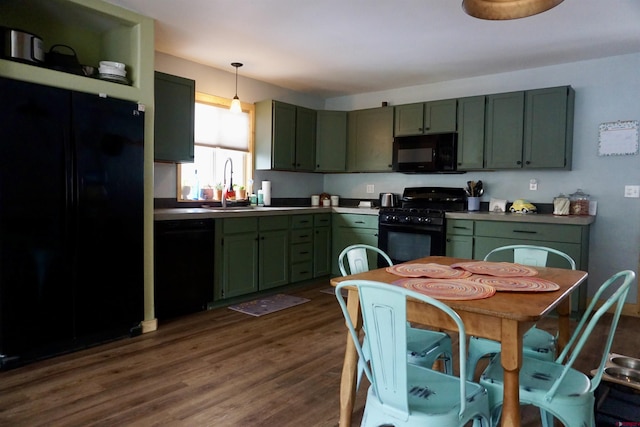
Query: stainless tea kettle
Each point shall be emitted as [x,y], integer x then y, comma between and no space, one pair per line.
[388,200]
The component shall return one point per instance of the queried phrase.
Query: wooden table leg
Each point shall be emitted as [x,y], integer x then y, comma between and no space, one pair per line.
[511,363]
[350,366]
[564,323]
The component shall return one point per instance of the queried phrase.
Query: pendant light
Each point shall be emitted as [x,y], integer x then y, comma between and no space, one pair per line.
[506,9]
[235,103]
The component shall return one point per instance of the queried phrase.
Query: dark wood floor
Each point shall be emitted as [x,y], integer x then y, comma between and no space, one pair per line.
[215,368]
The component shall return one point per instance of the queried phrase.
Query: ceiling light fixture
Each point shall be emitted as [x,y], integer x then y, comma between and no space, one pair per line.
[506,9]
[235,102]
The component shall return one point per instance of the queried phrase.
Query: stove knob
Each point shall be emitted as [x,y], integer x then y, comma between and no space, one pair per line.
[427,220]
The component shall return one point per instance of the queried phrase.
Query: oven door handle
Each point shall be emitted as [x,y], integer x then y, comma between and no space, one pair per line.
[412,227]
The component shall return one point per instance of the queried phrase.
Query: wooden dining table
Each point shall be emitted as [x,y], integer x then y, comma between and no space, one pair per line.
[503,317]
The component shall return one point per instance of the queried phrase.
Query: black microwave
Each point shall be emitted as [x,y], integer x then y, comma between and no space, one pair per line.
[425,153]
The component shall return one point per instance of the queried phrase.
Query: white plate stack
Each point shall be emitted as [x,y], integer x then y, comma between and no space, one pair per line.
[113,71]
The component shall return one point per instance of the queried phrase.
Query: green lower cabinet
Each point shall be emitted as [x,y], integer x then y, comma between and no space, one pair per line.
[254,255]
[321,251]
[351,229]
[273,253]
[459,238]
[301,247]
[460,246]
[475,239]
[273,264]
[237,267]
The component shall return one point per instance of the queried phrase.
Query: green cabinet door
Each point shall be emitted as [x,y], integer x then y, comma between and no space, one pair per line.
[370,140]
[284,136]
[409,119]
[239,261]
[504,130]
[321,251]
[460,246]
[471,126]
[425,117]
[174,118]
[440,116]
[273,265]
[331,141]
[351,229]
[459,238]
[548,128]
[305,141]
[275,135]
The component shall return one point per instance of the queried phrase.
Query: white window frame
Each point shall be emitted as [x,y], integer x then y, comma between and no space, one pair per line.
[248,167]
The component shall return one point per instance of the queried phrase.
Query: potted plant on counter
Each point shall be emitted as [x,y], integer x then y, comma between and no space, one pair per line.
[241,192]
[217,194]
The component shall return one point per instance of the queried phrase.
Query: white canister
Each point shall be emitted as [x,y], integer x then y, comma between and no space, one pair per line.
[335,200]
[326,203]
[315,200]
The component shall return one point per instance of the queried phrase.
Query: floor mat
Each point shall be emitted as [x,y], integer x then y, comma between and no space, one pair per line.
[262,306]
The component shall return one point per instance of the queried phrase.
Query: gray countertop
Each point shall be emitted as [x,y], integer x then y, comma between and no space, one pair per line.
[515,217]
[255,211]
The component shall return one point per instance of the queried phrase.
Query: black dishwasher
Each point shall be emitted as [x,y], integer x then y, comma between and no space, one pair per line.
[184,274]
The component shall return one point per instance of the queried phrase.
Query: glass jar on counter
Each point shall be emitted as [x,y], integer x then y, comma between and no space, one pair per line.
[579,203]
[561,205]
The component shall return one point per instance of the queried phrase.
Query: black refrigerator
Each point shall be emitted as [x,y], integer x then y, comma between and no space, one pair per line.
[71,220]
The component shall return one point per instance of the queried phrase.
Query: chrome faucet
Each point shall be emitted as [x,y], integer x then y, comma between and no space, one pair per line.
[224,180]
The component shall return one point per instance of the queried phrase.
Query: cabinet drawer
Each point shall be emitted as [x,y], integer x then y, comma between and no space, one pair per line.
[301,221]
[321,220]
[301,236]
[357,221]
[462,227]
[239,225]
[280,222]
[301,252]
[529,231]
[301,271]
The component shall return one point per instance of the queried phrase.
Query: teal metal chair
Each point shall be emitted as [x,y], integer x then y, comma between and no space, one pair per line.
[536,342]
[403,394]
[424,347]
[555,387]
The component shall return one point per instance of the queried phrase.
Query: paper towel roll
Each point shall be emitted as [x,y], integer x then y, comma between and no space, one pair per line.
[266,192]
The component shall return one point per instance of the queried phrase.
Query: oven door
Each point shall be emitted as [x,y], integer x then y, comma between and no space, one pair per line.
[405,242]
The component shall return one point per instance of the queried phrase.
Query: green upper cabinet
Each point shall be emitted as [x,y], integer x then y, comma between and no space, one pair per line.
[285,136]
[331,141]
[305,143]
[370,140]
[174,118]
[548,128]
[471,125]
[504,130]
[426,117]
[532,129]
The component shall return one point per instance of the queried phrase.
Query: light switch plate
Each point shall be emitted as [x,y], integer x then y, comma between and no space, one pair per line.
[632,191]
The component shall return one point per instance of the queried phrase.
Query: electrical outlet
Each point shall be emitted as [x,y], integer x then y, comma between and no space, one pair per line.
[632,191]
[370,188]
[533,184]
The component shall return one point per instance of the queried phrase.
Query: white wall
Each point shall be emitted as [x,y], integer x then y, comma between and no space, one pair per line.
[606,90]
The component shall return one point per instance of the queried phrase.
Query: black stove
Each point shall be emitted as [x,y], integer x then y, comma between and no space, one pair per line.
[425,205]
[417,228]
